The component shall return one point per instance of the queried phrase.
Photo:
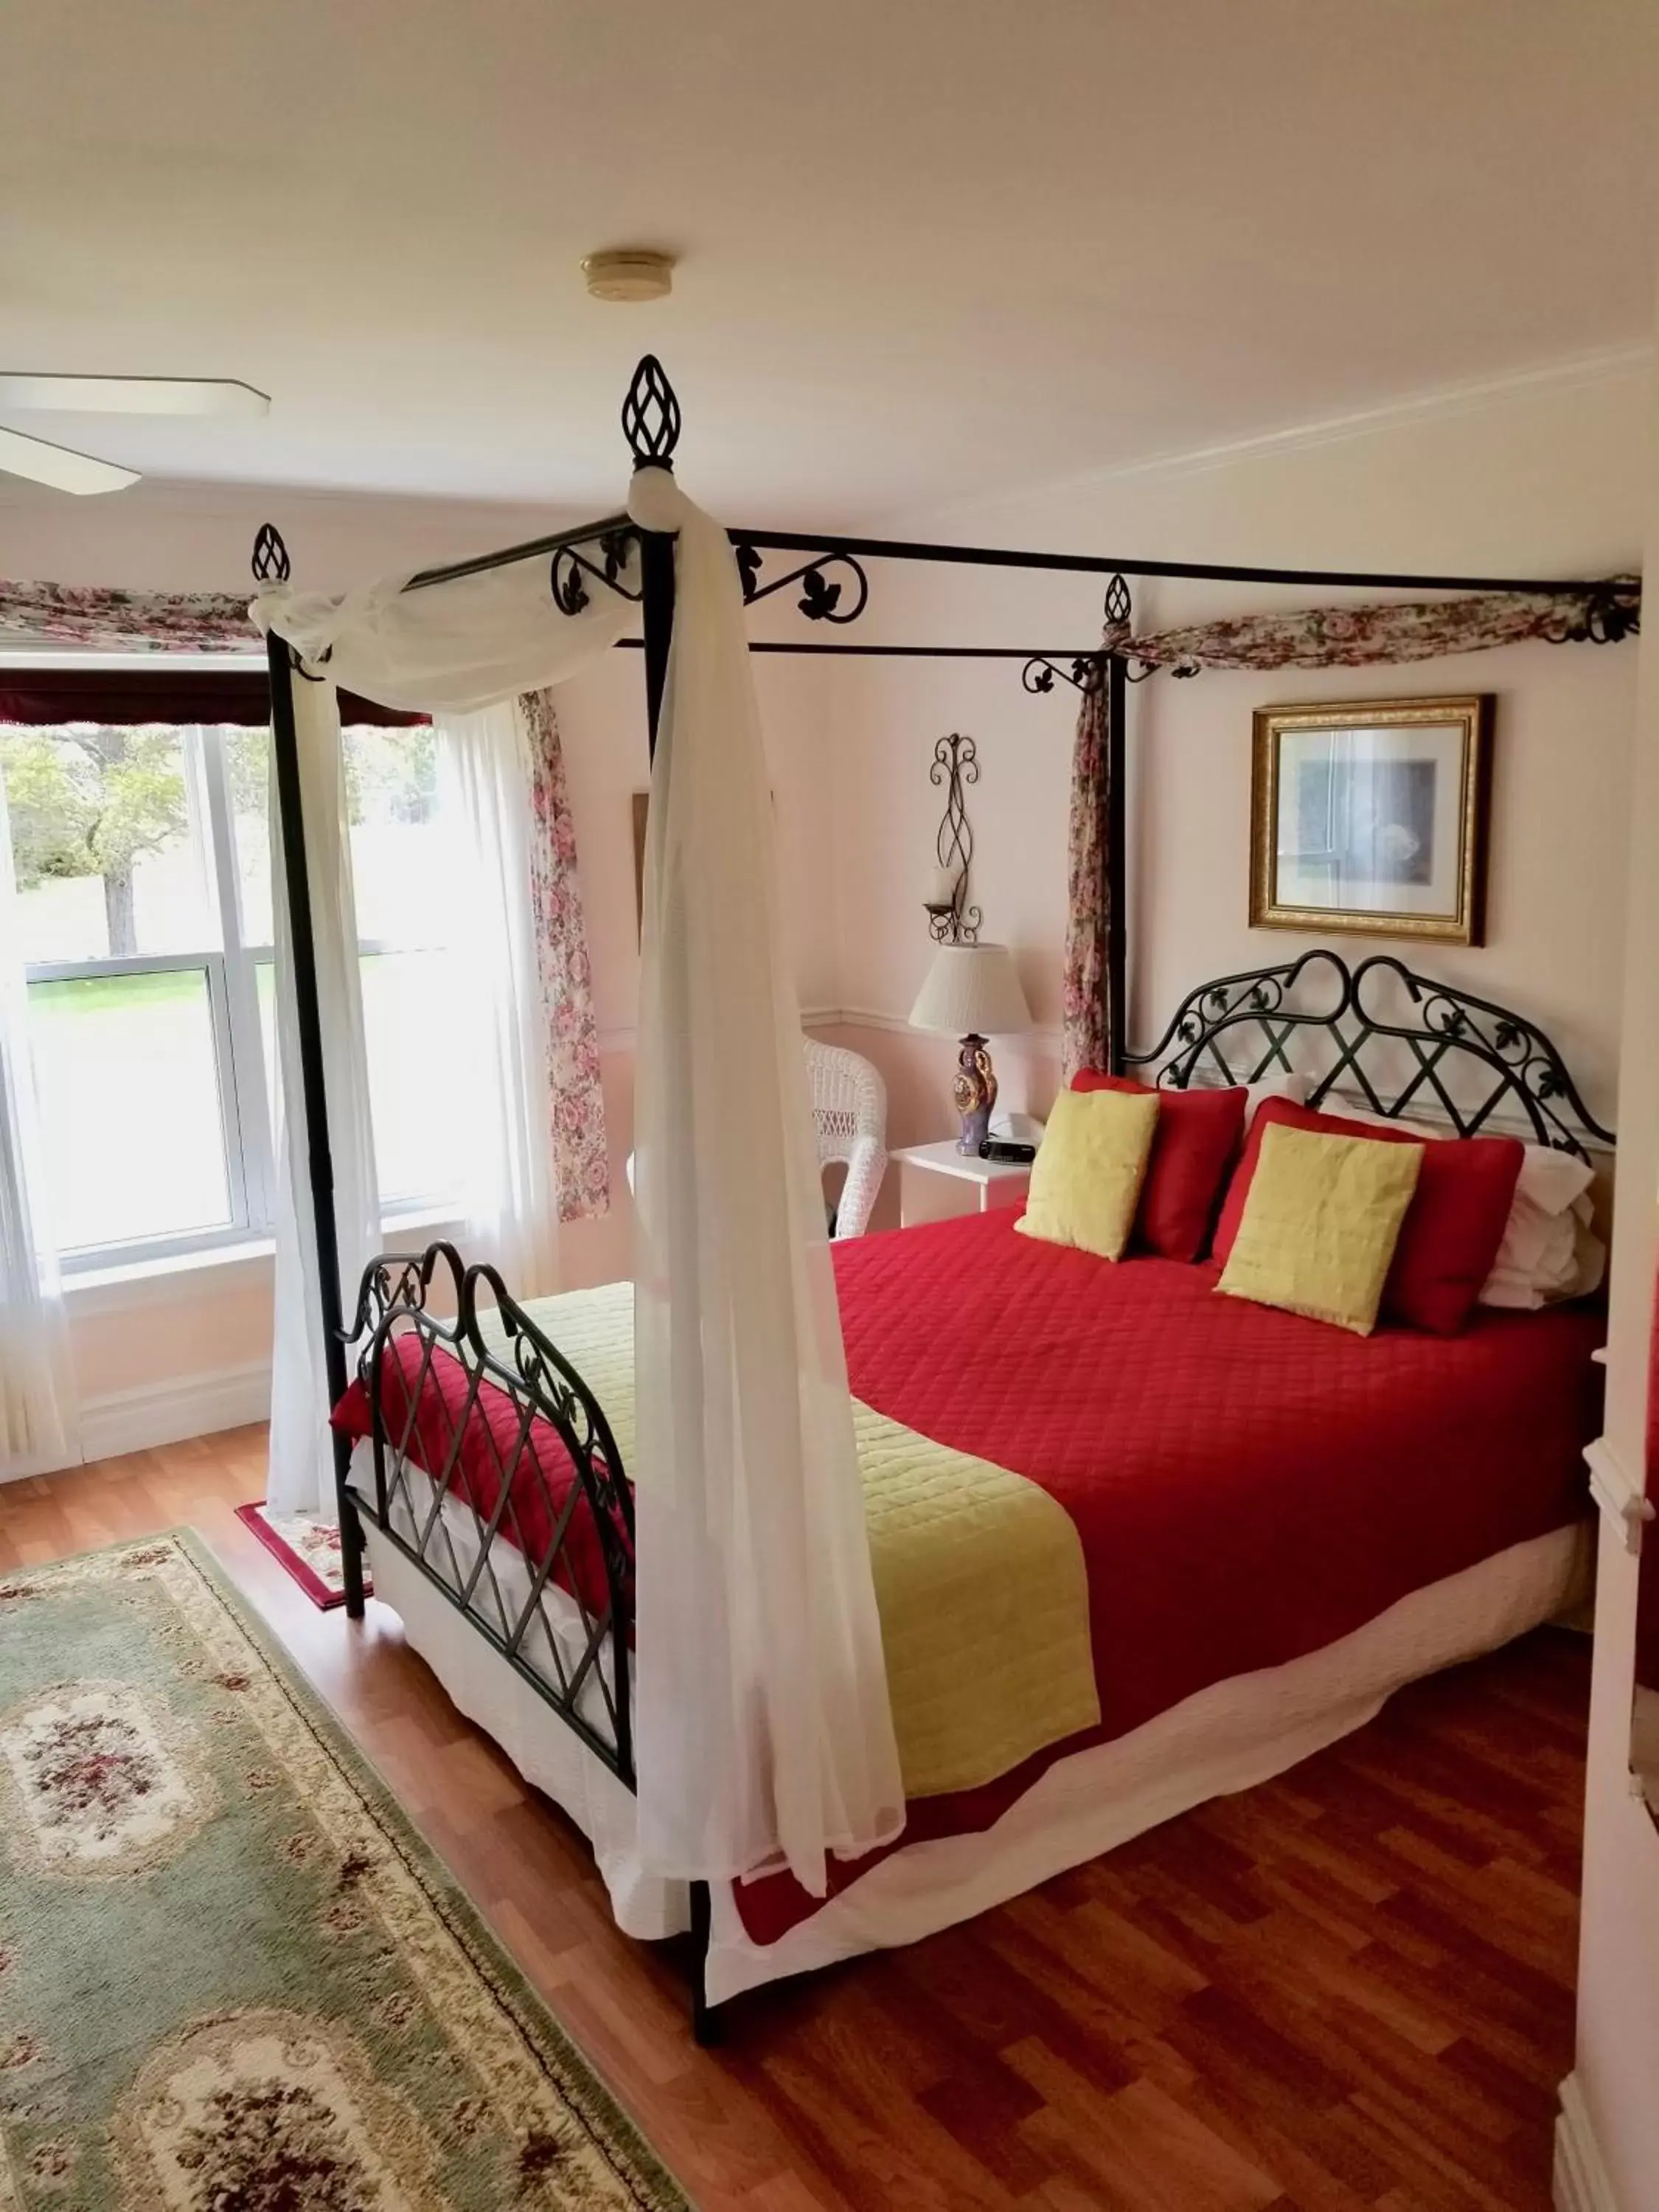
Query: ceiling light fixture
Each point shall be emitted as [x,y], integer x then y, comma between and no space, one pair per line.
[630,273]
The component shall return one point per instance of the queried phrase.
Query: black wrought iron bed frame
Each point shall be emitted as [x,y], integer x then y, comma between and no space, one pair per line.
[1203,1042]
[1464,1060]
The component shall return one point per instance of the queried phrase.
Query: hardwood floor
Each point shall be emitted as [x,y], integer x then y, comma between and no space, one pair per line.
[1351,1988]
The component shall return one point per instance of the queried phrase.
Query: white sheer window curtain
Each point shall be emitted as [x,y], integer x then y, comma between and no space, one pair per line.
[300,1475]
[508,1178]
[38,1419]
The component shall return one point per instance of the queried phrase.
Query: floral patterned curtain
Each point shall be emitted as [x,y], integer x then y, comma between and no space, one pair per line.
[92,617]
[1311,637]
[1422,630]
[575,1100]
[1086,1019]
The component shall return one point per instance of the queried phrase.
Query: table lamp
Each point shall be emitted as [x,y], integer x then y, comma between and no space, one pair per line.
[972,992]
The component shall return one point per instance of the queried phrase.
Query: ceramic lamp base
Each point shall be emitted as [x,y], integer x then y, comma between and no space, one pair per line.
[974,1093]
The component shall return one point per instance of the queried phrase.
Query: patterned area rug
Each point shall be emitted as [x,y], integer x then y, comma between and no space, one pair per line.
[309,1548]
[232,1978]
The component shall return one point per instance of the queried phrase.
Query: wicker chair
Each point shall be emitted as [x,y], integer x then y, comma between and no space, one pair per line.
[849,1111]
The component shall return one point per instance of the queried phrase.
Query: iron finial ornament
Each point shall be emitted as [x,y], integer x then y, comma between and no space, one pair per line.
[955,763]
[1119,605]
[271,562]
[651,416]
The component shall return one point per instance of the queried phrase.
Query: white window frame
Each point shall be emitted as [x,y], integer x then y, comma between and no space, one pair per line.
[244,1085]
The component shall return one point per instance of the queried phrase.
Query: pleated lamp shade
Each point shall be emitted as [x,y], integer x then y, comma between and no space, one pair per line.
[971,990]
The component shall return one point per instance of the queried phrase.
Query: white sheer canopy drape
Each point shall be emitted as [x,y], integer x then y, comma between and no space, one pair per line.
[37,1424]
[764,1727]
[763,1724]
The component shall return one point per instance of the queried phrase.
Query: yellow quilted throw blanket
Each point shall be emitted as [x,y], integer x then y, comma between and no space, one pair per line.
[979,1574]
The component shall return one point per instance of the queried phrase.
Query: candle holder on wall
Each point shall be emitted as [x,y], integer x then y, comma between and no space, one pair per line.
[951,919]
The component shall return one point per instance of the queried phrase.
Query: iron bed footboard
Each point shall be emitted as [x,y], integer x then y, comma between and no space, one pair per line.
[515,1564]
[529,1595]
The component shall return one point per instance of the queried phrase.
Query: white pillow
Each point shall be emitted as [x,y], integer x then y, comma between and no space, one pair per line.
[1550,1251]
[1293,1087]
[1546,1257]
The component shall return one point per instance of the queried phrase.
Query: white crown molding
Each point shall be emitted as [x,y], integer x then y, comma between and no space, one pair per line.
[1440,402]
[1581,2183]
[151,1414]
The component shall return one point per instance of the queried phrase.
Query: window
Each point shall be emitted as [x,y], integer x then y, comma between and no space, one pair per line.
[142,857]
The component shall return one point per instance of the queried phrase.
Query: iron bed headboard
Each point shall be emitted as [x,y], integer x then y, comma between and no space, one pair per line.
[1403,1042]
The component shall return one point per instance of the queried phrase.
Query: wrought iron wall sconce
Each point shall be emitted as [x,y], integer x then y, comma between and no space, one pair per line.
[951,919]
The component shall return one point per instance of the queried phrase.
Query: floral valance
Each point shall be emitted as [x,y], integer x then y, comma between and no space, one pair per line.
[1412,629]
[96,619]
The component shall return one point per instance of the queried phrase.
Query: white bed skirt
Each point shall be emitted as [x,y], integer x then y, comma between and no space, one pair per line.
[1226,1738]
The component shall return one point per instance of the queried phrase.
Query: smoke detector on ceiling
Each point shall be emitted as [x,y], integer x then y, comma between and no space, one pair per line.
[630,273]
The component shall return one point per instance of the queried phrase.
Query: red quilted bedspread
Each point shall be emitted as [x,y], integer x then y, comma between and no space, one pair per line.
[1247,1485]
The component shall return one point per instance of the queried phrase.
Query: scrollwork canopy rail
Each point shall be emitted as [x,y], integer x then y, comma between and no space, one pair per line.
[834,585]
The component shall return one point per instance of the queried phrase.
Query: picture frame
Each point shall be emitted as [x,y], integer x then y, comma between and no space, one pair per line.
[1369,818]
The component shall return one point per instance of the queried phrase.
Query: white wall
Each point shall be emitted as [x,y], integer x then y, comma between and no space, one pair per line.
[1544,480]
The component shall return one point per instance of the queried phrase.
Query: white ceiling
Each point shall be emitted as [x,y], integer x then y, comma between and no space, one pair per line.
[929,245]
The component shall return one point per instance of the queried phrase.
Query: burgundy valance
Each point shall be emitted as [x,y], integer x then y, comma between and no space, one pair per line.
[123,696]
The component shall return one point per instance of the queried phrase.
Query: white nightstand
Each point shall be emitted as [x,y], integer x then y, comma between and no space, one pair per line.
[936,1180]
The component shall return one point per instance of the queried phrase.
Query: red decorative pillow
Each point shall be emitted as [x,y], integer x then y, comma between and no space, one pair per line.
[1197,1136]
[1452,1229]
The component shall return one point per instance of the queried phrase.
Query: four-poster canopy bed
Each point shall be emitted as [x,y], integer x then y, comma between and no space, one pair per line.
[495,1490]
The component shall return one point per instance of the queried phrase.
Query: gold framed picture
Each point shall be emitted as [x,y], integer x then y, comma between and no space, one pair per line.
[1370,817]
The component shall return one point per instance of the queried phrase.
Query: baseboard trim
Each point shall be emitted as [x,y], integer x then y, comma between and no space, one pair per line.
[1581,2175]
[167,1413]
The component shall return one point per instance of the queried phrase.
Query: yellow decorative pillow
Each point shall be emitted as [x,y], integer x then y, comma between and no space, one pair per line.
[1086,1177]
[1321,1224]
